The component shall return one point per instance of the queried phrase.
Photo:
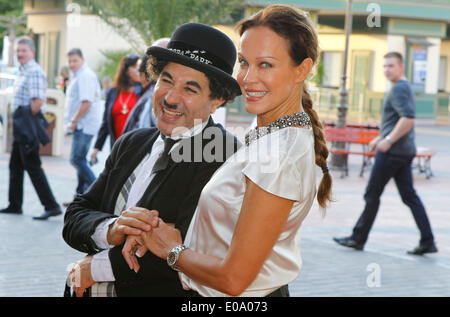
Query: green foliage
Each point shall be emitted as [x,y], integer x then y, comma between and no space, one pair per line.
[108,68]
[318,76]
[8,7]
[158,18]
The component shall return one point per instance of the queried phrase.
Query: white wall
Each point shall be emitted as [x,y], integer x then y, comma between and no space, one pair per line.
[93,35]
[395,43]
[433,55]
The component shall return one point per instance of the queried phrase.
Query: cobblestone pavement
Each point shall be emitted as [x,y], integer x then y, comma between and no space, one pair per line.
[34,257]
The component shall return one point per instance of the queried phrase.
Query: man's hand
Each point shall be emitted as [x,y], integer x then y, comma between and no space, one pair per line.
[383,146]
[373,144]
[73,126]
[81,276]
[36,104]
[132,221]
[94,154]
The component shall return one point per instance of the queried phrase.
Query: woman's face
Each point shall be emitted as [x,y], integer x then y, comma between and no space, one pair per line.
[133,72]
[267,74]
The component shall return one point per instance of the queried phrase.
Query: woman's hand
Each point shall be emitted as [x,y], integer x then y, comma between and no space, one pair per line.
[93,156]
[161,239]
[134,246]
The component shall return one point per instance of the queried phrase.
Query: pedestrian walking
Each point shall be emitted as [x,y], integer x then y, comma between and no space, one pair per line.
[395,150]
[83,116]
[29,132]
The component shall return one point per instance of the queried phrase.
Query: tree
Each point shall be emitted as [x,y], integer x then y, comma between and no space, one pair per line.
[14,25]
[137,20]
[12,22]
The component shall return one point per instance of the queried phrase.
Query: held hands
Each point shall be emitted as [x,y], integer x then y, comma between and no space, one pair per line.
[132,221]
[159,240]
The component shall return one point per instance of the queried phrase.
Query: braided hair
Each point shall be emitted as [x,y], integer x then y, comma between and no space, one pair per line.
[293,25]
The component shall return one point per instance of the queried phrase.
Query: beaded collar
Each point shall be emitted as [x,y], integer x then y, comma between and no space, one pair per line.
[297,119]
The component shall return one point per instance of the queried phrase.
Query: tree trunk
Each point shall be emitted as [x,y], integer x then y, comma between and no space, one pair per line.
[12,40]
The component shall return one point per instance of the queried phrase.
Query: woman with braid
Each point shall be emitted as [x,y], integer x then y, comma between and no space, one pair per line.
[244,237]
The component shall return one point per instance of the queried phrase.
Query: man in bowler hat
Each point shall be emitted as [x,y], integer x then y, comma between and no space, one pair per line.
[193,80]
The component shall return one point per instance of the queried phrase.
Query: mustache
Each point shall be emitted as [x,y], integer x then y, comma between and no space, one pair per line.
[170,106]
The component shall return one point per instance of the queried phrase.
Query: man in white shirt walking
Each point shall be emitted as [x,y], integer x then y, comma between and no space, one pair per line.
[83,115]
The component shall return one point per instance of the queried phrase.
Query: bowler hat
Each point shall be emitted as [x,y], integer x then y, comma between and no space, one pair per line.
[203,48]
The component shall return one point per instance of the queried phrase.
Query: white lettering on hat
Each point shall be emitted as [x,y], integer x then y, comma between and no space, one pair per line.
[193,55]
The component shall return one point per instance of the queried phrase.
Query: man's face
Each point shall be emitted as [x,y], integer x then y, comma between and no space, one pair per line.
[24,53]
[75,62]
[393,69]
[181,96]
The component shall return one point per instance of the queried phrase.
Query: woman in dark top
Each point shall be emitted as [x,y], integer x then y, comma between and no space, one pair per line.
[120,100]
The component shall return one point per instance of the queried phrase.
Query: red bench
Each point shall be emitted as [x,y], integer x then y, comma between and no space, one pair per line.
[363,137]
[350,136]
[424,156]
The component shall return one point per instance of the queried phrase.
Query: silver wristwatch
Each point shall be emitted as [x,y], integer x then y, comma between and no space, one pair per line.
[172,257]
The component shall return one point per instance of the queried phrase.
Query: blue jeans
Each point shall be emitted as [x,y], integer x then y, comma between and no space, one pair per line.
[80,147]
[389,166]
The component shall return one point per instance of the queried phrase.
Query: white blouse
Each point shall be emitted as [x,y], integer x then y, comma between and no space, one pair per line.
[282,163]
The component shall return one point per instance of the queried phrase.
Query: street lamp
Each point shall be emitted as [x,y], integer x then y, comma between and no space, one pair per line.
[340,160]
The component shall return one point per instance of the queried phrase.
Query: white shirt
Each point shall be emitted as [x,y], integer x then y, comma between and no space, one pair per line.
[84,86]
[281,163]
[101,268]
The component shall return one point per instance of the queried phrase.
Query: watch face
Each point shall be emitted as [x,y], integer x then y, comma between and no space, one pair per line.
[171,258]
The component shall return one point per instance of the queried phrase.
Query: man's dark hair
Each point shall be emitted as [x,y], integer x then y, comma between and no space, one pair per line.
[143,65]
[219,89]
[396,55]
[75,51]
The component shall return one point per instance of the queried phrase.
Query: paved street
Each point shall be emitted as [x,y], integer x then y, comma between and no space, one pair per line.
[33,256]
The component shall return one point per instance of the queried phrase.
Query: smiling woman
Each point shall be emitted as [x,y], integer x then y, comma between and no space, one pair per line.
[244,237]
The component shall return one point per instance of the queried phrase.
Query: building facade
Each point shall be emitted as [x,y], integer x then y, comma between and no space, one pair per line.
[419,30]
[60,25]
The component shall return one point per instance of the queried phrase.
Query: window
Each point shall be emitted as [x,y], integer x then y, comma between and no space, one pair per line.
[442,79]
[332,68]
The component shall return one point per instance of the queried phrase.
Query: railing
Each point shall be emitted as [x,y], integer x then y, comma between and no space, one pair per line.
[6,80]
[443,108]
[363,108]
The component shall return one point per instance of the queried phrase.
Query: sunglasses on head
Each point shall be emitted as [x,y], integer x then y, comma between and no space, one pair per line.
[132,56]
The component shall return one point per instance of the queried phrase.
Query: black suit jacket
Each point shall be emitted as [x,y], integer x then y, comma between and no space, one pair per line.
[107,127]
[29,130]
[174,192]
